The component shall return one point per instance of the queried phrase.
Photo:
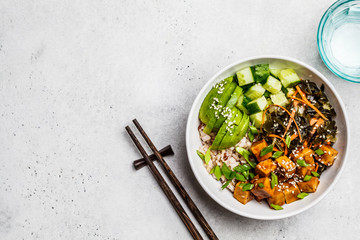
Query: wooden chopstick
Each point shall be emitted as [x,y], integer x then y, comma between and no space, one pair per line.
[189,202]
[166,151]
[169,194]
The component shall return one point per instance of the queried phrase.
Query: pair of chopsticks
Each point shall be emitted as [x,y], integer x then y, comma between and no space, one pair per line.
[166,189]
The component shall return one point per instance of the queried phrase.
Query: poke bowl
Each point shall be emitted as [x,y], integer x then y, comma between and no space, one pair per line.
[265,177]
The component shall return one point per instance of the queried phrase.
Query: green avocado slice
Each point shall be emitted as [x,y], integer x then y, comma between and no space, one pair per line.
[230,104]
[209,99]
[214,112]
[239,132]
[224,129]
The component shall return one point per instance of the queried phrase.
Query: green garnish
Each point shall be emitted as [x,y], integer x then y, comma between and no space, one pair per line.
[251,136]
[276,207]
[247,187]
[217,172]
[226,171]
[242,168]
[302,195]
[240,177]
[207,156]
[261,185]
[252,175]
[242,184]
[245,153]
[212,170]
[302,163]
[315,174]
[266,150]
[277,154]
[246,174]
[201,155]
[253,130]
[307,178]
[274,180]
[226,184]
[288,141]
[319,152]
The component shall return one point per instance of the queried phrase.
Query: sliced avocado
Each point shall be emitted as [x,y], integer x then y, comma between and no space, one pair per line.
[214,112]
[224,129]
[209,99]
[230,104]
[238,133]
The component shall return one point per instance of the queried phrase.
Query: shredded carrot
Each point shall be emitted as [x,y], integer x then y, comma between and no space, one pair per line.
[317,125]
[304,100]
[292,113]
[313,121]
[317,167]
[297,127]
[293,136]
[282,139]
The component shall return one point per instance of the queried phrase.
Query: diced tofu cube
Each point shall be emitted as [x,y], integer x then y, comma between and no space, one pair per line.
[309,186]
[256,150]
[264,168]
[303,171]
[329,155]
[278,198]
[290,190]
[286,166]
[306,154]
[242,196]
[262,192]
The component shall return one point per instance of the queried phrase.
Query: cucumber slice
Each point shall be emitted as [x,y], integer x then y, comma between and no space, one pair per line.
[289,78]
[257,105]
[272,85]
[261,72]
[256,119]
[279,99]
[255,91]
[209,99]
[229,105]
[275,72]
[245,76]
[290,92]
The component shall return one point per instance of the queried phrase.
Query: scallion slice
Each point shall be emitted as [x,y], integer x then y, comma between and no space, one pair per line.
[226,184]
[274,180]
[245,153]
[319,152]
[302,195]
[307,178]
[253,130]
[302,163]
[251,136]
[266,150]
[240,177]
[277,154]
[201,155]
[207,156]
[315,174]
[217,172]
[261,185]
[247,187]
[288,141]
[276,207]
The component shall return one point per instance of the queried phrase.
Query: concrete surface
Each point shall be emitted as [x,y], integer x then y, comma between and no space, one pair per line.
[73,74]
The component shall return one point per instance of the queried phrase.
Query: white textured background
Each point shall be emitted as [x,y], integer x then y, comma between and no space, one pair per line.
[73,74]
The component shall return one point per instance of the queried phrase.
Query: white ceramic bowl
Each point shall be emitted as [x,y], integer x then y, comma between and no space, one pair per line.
[253,209]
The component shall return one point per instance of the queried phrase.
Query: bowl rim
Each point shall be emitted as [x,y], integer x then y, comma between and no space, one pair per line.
[193,111]
[320,42]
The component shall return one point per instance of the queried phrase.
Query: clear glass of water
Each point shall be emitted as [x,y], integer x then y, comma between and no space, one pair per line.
[338,39]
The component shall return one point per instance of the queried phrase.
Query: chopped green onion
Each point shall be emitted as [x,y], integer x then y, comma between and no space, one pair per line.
[261,185]
[251,136]
[302,195]
[307,178]
[288,141]
[242,184]
[226,171]
[207,156]
[277,154]
[276,207]
[315,174]
[266,150]
[247,187]
[217,172]
[274,180]
[245,153]
[246,174]
[201,155]
[242,168]
[240,177]
[232,175]
[253,130]
[252,175]
[319,152]
[226,184]
[212,170]
[302,163]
